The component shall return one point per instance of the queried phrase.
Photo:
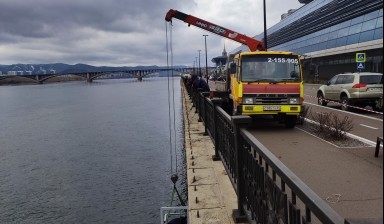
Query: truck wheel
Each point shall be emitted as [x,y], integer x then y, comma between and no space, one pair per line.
[290,121]
[344,103]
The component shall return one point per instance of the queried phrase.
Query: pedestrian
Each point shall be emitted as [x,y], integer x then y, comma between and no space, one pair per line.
[195,82]
[203,85]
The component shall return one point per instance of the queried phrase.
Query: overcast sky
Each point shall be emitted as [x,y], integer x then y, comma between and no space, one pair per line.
[123,32]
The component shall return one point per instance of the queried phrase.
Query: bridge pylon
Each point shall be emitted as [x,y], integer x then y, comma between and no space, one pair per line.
[89,79]
[139,76]
[38,81]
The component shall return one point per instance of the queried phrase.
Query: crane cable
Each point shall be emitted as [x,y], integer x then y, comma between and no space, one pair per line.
[174,176]
[169,103]
[173,98]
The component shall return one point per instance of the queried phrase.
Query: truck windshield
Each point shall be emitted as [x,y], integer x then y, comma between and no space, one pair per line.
[270,68]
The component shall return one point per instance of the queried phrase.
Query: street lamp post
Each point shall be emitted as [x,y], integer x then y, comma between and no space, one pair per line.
[206,56]
[197,68]
[199,64]
[265,27]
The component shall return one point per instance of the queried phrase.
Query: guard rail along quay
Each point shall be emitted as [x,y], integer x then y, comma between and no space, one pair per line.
[266,190]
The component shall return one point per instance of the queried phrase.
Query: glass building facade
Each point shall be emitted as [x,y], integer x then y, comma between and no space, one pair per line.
[328,34]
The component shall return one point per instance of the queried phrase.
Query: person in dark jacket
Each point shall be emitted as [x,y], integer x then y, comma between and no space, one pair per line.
[195,82]
[203,85]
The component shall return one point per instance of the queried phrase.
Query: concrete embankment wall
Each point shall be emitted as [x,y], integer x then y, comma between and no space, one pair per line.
[211,196]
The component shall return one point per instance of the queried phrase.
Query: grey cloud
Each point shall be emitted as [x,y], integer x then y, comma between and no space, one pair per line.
[106,32]
[65,30]
[47,18]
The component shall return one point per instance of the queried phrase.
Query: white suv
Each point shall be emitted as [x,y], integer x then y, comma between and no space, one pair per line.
[353,89]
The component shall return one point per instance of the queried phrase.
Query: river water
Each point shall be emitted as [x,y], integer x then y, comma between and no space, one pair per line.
[82,152]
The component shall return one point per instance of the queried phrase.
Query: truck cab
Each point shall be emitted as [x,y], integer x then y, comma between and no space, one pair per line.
[267,83]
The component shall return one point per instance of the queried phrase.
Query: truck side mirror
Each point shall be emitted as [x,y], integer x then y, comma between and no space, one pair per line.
[233,68]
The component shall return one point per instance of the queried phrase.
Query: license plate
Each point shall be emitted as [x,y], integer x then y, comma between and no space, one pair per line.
[269,108]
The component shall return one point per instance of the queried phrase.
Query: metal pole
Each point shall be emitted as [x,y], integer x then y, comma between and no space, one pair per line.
[197,68]
[206,57]
[265,28]
[199,64]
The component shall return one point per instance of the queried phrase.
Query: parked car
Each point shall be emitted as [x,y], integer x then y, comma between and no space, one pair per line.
[353,89]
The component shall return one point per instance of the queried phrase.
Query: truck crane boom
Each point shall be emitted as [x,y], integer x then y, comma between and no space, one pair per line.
[252,43]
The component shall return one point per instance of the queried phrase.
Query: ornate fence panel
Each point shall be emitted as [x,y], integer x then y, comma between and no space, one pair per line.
[226,143]
[265,197]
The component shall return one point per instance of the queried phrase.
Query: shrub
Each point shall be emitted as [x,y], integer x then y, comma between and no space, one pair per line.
[340,126]
[331,126]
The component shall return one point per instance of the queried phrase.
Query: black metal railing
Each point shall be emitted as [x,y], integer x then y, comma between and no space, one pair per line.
[266,183]
[267,191]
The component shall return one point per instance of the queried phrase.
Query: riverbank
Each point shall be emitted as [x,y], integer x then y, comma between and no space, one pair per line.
[26,81]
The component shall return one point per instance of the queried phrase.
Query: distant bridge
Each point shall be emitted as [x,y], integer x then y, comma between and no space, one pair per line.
[90,76]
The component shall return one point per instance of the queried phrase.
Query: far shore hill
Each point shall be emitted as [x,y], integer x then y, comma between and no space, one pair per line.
[61,68]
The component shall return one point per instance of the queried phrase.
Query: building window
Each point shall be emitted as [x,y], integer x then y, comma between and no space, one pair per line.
[345,24]
[335,27]
[357,20]
[371,15]
[366,36]
[331,44]
[322,46]
[378,34]
[353,39]
[379,22]
[324,37]
[369,25]
[355,29]
[333,35]
[324,31]
[316,40]
[341,41]
[343,32]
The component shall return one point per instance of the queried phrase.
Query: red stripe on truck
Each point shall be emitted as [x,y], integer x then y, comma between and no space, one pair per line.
[270,88]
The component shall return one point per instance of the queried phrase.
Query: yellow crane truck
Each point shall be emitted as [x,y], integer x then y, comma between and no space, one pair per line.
[259,82]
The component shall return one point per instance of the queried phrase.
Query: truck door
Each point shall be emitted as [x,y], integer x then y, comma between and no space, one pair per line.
[235,83]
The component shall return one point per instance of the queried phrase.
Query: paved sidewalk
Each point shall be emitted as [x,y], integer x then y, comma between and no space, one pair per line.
[211,196]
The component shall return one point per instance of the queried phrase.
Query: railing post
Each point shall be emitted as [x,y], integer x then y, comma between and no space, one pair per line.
[198,107]
[196,99]
[205,94]
[239,122]
[216,102]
